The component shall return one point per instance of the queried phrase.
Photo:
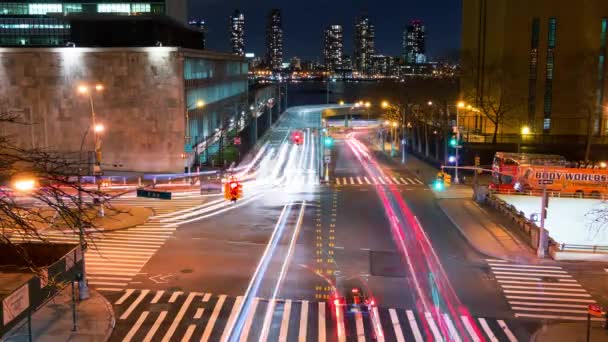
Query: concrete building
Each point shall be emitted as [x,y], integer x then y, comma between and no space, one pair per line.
[237,33]
[274,40]
[365,33]
[40,23]
[333,47]
[542,61]
[414,43]
[163,108]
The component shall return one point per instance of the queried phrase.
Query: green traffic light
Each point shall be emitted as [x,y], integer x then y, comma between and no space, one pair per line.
[329,141]
[453,142]
[438,185]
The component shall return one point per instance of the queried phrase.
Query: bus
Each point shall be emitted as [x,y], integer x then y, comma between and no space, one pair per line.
[507,166]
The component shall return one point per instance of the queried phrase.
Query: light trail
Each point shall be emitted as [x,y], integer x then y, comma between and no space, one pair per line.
[435,291]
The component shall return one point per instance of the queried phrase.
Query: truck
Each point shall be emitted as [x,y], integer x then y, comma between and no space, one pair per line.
[579,181]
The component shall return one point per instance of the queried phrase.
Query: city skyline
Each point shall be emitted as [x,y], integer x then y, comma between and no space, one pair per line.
[304,25]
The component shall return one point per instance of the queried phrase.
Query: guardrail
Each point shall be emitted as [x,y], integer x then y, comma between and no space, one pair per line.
[532,231]
[557,194]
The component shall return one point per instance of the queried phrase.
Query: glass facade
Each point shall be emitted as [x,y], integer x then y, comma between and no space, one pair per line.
[221,85]
[550,70]
[601,78]
[29,23]
[532,76]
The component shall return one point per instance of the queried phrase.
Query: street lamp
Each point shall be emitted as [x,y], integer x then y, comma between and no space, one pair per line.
[24,184]
[341,103]
[525,130]
[430,103]
[97,129]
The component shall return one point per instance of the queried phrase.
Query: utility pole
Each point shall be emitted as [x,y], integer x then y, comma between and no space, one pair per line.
[543,213]
[456,179]
[403,136]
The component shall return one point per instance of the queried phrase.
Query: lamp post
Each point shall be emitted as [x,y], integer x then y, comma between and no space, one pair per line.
[187,138]
[525,130]
[459,106]
[97,128]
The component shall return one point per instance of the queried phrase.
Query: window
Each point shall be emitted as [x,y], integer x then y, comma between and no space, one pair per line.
[13,8]
[532,77]
[44,8]
[549,74]
[601,71]
[113,8]
[72,8]
[140,8]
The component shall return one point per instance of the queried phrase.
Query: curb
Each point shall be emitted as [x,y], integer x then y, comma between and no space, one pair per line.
[466,237]
[112,322]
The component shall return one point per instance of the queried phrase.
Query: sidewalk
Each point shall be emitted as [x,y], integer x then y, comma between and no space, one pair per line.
[53,322]
[571,332]
[484,229]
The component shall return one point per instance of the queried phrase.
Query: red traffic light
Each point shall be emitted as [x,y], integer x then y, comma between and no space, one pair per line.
[234,185]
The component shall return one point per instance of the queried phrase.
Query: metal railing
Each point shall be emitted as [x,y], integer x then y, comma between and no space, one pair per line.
[583,248]
[557,194]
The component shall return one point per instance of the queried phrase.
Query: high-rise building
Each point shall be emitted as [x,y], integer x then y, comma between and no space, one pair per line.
[237,33]
[41,23]
[333,51]
[364,44]
[543,61]
[414,45]
[347,62]
[200,25]
[274,40]
[382,65]
[295,64]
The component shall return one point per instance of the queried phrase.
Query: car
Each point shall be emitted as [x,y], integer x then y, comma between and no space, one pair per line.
[355,300]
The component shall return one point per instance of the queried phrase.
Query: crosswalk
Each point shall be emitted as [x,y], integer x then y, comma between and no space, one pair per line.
[145,315]
[113,258]
[386,180]
[541,291]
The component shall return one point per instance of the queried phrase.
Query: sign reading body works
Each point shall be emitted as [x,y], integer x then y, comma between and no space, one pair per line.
[581,177]
[15,304]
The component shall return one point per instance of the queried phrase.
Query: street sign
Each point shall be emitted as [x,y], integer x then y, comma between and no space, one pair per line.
[595,310]
[237,140]
[545,181]
[154,194]
[327,159]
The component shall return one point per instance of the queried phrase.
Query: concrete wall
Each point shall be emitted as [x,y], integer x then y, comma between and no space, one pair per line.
[505,44]
[142,104]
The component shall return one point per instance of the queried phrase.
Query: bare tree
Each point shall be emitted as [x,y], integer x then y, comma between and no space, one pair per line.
[55,196]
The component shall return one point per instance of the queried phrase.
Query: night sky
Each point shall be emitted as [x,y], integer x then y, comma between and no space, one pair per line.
[305,20]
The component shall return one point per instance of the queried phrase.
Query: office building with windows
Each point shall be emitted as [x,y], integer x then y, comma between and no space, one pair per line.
[274,40]
[333,47]
[41,23]
[543,61]
[414,43]
[237,33]
[364,46]
[201,26]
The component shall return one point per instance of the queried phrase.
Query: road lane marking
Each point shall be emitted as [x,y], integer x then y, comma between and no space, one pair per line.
[546,293]
[136,326]
[359,326]
[188,333]
[206,297]
[352,181]
[495,260]
[545,309]
[231,319]
[377,324]
[366,180]
[157,296]
[414,326]
[133,305]
[249,320]
[539,283]
[174,296]
[528,270]
[570,318]
[199,313]
[108,283]
[403,181]
[338,181]
[359,180]
[303,321]
[410,180]
[524,266]
[507,331]
[453,333]
[388,180]
[321,323]
[433,326]
[396,325]
[178,317]
[285,321]
[395,180]
[469,327]
[124,297]
[580,306]
[575,300]
[542,287]
[418,181]
[375,180]
[487,330]
[381,180]
[213,318]
[535,274]
[267,320]
[155,326]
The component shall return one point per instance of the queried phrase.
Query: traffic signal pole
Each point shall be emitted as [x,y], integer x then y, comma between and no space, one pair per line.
[456,179]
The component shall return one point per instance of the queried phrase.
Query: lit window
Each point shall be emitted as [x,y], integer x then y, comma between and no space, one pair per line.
[140,8]
[113,8]
[44,8]
[72,8]
[547,124]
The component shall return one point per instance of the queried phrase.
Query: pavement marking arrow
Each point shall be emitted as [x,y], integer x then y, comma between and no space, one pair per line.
[160,278]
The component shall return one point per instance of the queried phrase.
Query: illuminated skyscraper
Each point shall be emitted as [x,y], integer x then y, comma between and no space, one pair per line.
[333,51]
[274,40]
[414,46]
[237,33]
[364,44]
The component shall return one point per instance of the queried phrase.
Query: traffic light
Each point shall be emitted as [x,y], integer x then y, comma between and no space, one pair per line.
[329,141]
[438,185]
[453,142]
[233,190]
